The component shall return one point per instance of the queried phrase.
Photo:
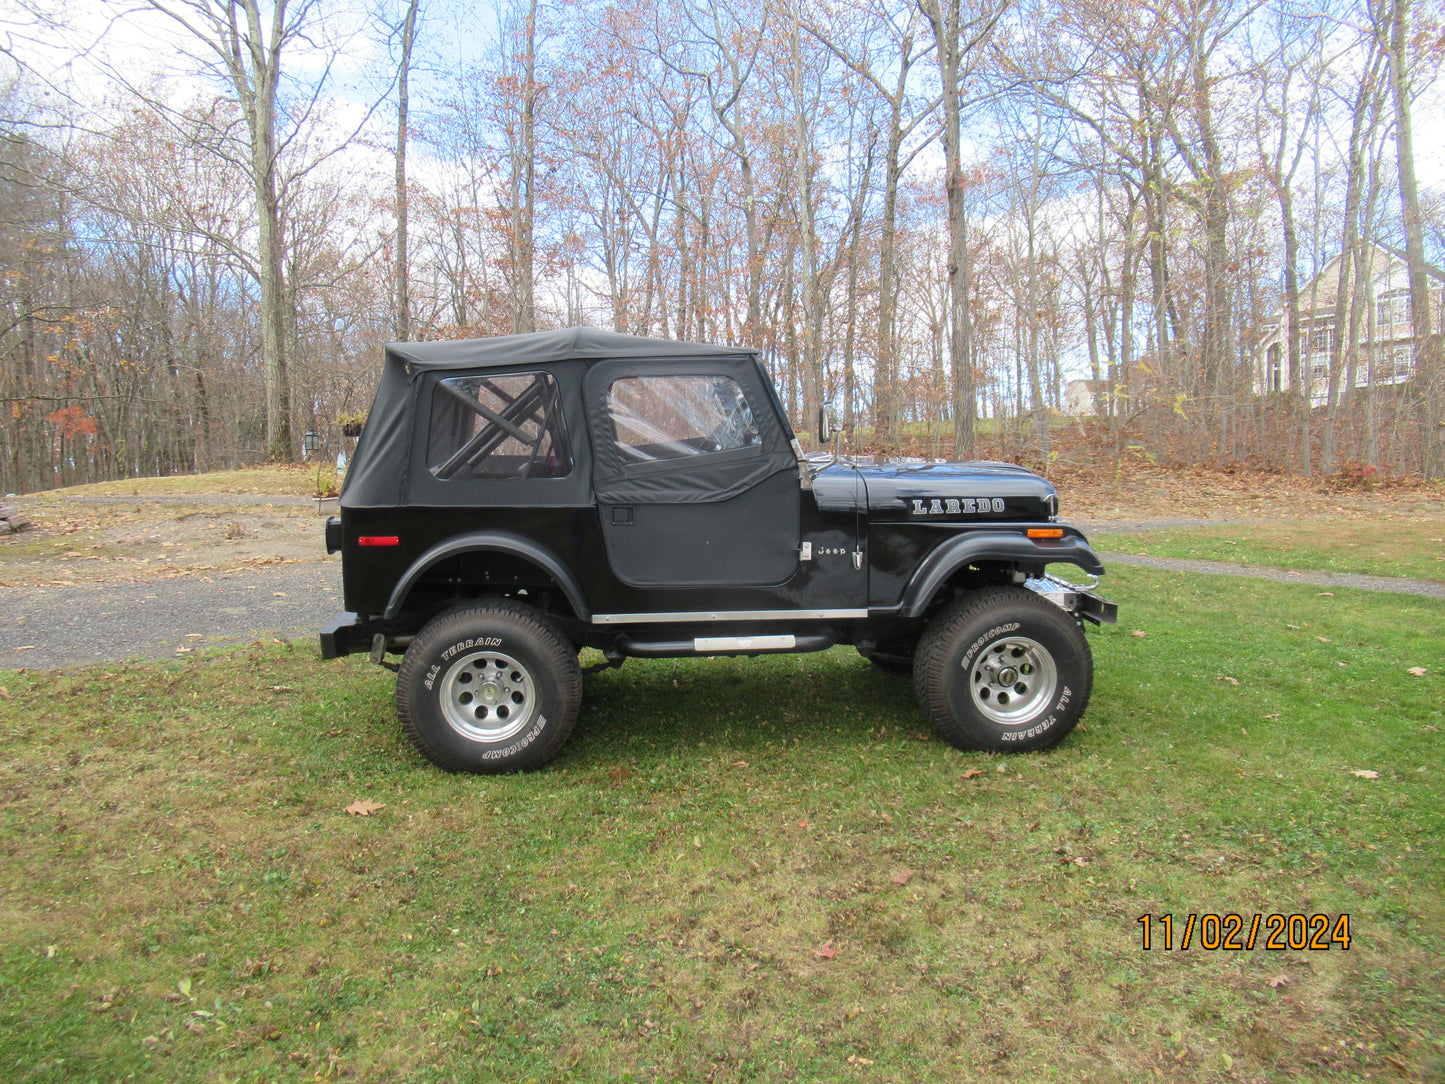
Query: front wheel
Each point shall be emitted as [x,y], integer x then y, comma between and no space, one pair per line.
[492,688]
[1003,670]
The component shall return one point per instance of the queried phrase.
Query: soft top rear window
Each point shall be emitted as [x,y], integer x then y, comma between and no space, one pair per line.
[507,426]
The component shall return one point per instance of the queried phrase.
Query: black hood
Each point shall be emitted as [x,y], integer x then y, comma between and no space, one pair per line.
[955,492]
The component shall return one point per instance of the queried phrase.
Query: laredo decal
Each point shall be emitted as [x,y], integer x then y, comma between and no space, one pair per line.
[953,506]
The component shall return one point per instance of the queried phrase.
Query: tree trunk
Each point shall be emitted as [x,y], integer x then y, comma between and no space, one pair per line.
[1429,365]
[402,323]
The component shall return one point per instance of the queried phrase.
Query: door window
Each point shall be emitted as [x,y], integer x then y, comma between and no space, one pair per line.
[672,417]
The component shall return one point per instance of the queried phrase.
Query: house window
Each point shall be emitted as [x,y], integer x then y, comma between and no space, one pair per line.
[1392,312]
[1404,360]
[1319,340]
[498,427]
[1272,377]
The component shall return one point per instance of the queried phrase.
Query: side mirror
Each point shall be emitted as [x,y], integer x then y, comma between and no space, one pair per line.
[827,423]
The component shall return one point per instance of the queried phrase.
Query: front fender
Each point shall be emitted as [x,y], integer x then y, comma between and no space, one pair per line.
[1008,547]
[507,542]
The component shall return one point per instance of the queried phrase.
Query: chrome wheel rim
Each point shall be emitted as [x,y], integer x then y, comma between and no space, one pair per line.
[1013,680]
[488,696]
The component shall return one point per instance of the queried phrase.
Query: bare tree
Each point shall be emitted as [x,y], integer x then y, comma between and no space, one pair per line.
[402,322]
[1429,363]
[959,45]
[885,47]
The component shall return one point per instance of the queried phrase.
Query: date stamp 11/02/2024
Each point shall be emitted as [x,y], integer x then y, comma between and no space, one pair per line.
[1230,932]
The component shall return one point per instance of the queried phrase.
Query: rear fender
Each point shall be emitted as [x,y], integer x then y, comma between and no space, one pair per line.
[499,542]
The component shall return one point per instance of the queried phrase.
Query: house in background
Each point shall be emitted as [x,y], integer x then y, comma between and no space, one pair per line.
[1385,347]
[1080,398]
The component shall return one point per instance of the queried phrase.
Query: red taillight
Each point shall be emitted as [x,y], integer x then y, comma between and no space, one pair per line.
[378,540]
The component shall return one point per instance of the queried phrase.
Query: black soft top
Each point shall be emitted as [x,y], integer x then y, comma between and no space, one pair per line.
[540,347]
[377,476]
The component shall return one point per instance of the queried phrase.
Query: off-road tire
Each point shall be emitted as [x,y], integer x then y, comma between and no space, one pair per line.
[490,688]
[1003,670]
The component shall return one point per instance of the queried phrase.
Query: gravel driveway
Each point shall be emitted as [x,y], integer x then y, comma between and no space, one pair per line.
[50,626]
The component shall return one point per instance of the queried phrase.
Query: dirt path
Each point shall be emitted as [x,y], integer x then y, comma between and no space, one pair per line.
[1282,575]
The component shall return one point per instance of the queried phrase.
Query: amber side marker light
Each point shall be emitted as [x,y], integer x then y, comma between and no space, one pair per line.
[378,540]
[1045,532]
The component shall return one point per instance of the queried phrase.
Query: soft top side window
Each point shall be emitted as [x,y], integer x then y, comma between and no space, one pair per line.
[673,417]
[506,426]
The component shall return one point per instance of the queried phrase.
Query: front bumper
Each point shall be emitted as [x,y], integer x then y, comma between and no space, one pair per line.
[1075,599]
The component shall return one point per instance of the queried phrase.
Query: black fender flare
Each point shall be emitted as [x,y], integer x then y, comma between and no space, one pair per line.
[507,542]
[1010,547]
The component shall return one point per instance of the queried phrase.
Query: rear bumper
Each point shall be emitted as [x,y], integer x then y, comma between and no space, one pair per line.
[344,635]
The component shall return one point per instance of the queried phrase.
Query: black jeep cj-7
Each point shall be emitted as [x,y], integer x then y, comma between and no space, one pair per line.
[514,499]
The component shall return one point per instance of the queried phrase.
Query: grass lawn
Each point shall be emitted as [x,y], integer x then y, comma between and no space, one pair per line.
[1402,547]
[742,870]
[296,479]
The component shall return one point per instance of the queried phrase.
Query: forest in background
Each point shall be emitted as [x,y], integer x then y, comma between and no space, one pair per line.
[926,213]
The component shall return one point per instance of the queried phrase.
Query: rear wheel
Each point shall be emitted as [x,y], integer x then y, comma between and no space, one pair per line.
[492,688]
[1003,670]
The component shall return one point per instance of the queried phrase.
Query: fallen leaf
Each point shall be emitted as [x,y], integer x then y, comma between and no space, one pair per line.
[1289,626]
[854,1059]
[1272,715]
[4,692]
[825,951]
[1418,671]
[1232,681]
[278,594]
[1278,981]
[1365,773]
[364,807]
[740,764]
[972,772]
[1326,594]
[902,877]
[1139,633]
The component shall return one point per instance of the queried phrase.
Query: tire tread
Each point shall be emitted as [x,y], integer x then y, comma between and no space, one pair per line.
[931,673]
[528,621]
